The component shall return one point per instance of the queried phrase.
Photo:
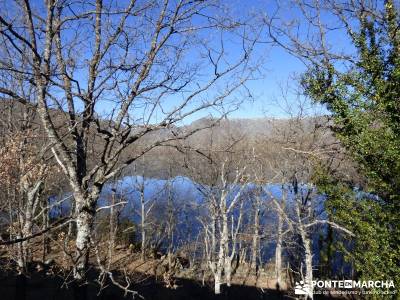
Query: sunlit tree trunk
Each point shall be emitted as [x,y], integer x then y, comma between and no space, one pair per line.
[224,249]
[26,221]
[85,215]
[306,244]
[278,253]
[113,228]
[279,239]
[221,256]
[255,242]
[142,223]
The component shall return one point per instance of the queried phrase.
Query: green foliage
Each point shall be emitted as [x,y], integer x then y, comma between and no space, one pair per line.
[364,99]
[327,247]
[374,251]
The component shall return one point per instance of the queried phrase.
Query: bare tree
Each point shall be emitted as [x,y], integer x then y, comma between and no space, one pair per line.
[220,235]
[25,168]
[118,73]
[305,142]
[146,206]
[255,249]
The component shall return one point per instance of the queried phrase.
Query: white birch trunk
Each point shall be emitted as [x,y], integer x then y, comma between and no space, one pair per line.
[224,248]
[278,253]
[308,260]
[26,220]
[228,271]
[84,224]
[217,281]
[113,230]
[305,239]
[221,264]
[256,233]
[143,223]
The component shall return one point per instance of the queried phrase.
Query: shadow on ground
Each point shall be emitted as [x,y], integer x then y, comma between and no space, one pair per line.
[39,286]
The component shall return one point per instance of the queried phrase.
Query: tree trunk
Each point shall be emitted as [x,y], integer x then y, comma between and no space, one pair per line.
[228,271]
[143,246]
[221,264]
[254,252]
[308,259]
[218,271]
[113,229]
[84,225]
[217,281]
[20,256]
[224,249]
[32,196]
[46,242]
[143,223]
[26,231]
[278,254]
[70,232]
[306,243]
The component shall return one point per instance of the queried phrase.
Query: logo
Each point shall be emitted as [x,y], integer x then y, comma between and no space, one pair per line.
[343,287]
[302,288]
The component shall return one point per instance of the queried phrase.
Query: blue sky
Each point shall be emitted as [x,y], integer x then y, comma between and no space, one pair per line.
[276,68]
[279,66]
